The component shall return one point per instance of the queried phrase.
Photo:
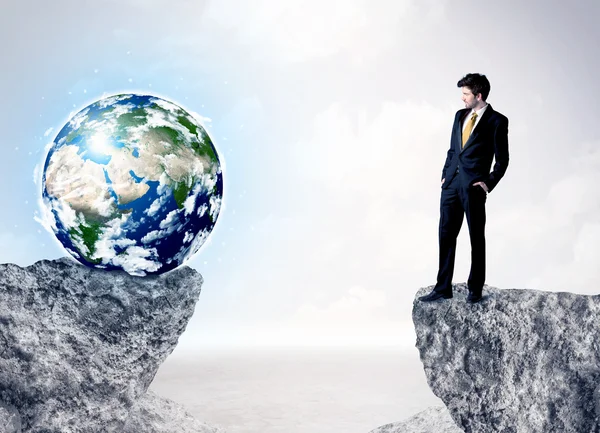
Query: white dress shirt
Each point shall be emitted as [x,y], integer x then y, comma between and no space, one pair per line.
[479,114]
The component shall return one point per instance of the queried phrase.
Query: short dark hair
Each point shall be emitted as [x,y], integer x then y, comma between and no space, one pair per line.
[477,83]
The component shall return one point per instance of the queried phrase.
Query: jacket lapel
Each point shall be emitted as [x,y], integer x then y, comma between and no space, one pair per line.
[484,119]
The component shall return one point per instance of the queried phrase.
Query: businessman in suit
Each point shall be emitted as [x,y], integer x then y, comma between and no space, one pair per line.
[479,135]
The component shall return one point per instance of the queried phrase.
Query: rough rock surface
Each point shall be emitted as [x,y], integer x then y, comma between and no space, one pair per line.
[10,420]
[79,346]
[518,361]
[155,414]
[432,420]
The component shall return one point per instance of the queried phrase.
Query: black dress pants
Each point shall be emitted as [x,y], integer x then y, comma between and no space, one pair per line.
[456,202]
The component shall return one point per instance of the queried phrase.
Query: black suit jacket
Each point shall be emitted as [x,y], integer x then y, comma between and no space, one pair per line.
[488,140]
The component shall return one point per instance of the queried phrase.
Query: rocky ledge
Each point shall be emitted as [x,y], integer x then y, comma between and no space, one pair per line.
[80,346]
[432,420]
[155,414]
[518,361]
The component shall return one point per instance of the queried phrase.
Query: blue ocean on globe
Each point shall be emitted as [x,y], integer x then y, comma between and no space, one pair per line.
[134,183]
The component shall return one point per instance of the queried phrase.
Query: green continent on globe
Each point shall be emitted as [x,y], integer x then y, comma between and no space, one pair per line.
[132,182]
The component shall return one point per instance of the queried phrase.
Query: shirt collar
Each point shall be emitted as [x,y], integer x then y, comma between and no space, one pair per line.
[480,111]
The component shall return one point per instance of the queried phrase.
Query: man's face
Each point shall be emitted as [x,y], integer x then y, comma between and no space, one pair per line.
[468,98]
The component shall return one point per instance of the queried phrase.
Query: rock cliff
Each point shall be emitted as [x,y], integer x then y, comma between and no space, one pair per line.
[519,361]
[155,414]
[432,420]
[80,346]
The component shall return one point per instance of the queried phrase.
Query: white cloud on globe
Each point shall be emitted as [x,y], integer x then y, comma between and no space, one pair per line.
[190,202]
[168,219]
[135,263]
[188,237]
[156,205]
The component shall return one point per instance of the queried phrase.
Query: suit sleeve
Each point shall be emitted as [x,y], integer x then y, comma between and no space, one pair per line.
[450,154]
[500,154]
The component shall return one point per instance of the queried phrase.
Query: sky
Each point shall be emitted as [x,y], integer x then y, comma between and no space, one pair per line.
[332,120]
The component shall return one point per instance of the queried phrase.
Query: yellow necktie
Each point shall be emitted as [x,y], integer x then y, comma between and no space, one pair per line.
[468,129]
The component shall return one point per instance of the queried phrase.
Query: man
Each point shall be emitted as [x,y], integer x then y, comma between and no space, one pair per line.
[479,135]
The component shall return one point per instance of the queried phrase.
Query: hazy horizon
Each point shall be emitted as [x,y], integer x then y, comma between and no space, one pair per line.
[297,390]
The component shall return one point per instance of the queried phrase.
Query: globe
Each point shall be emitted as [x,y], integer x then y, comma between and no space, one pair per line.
[134,183]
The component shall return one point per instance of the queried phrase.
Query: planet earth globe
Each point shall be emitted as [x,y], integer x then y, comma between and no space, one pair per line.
[132,182]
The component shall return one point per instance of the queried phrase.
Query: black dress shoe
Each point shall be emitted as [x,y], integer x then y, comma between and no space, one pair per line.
[434,296]
[473,298]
